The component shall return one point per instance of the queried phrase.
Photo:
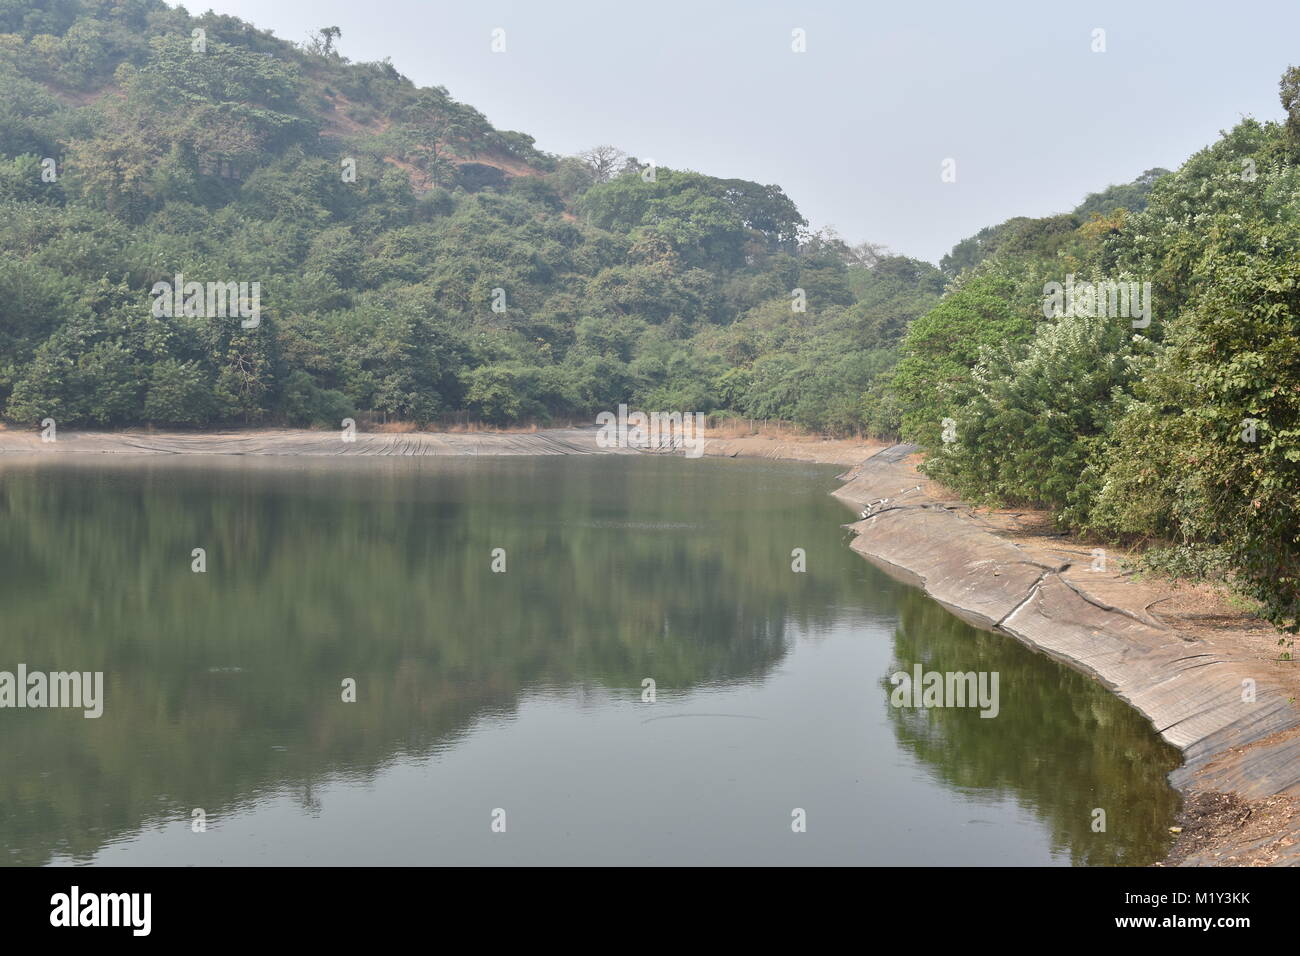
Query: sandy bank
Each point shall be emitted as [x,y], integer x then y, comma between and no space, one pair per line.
[306,443]
[1241,775]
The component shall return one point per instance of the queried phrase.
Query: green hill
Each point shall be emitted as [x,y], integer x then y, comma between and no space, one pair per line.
[412,261]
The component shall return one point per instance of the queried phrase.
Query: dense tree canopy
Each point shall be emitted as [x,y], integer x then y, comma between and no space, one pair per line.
[1184,430]
[412,261]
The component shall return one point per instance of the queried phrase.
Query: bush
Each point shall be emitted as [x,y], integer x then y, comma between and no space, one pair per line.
[306,403]
[180,393]
[1033,423]
[941,348]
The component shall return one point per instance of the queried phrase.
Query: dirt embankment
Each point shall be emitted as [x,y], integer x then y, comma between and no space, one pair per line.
[1206,674]
[306,443]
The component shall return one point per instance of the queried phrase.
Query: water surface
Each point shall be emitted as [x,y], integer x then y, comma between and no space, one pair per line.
[520,691]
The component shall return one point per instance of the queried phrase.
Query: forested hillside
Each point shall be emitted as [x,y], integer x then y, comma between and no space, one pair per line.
[1180,426]
[414,262]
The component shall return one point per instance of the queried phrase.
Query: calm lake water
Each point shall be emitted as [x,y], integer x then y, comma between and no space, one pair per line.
[520,691]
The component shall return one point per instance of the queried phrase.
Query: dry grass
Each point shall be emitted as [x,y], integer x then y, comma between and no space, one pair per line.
[471,428]
[726,428]
[462,427]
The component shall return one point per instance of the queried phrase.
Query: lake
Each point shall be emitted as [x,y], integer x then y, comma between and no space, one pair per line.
[503,716]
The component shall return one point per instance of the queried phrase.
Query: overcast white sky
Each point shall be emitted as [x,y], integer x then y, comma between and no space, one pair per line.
[855,129]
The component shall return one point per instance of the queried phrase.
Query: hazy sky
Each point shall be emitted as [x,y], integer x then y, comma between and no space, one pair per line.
[855,129]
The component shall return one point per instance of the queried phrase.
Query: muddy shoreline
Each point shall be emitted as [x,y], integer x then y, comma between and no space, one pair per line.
[1217,697]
